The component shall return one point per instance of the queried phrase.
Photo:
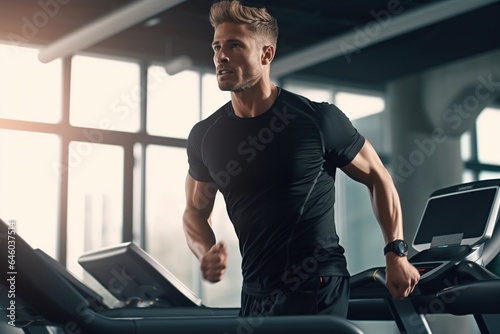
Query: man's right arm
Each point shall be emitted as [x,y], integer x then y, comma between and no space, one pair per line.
[200,198]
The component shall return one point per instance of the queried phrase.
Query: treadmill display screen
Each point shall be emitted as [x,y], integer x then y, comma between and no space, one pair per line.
[467,213]
[132,276]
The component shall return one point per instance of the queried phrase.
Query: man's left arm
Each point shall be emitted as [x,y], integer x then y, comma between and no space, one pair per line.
[366,167]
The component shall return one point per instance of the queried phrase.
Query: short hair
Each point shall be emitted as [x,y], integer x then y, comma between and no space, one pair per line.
[258,19]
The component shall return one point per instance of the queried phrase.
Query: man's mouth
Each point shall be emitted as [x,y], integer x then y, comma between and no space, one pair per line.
[224,71]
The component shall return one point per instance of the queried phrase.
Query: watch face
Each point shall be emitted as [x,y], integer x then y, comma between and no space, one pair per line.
[399,247]
[402,247]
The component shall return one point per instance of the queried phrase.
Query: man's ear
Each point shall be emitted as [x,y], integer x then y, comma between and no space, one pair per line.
[268,52]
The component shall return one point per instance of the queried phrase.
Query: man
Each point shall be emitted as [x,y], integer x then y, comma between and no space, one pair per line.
[273,156]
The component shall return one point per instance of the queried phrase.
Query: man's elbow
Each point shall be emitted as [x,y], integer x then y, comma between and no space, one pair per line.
[195,214]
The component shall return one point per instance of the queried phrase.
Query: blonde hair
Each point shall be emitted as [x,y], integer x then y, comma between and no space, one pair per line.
[258,20]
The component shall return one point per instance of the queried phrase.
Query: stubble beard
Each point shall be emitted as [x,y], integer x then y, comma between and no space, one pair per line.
[240,85]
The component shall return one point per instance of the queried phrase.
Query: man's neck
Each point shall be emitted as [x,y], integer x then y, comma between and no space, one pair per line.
[254,101]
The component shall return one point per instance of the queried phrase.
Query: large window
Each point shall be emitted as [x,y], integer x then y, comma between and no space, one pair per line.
[30,160]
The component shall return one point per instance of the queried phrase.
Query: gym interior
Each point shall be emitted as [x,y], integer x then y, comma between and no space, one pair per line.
[97,99]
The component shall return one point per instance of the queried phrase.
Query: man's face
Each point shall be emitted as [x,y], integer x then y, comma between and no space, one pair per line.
[237,57]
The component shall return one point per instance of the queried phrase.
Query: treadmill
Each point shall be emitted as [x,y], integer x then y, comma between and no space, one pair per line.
[456,238]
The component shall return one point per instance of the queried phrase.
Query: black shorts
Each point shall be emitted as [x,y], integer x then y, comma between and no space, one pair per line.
[323,295]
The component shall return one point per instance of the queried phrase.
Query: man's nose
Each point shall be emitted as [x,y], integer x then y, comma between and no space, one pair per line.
[222,57]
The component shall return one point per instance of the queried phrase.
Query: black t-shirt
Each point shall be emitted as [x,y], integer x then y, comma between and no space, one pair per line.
[276,172]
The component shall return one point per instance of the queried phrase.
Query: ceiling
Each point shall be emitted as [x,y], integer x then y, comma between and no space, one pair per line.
[425,33]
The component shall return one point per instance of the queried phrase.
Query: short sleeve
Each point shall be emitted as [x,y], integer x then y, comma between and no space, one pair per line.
[342,141]
[197,169]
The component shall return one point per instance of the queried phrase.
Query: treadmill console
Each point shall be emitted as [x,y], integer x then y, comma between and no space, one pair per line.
[460,215]
[455,224]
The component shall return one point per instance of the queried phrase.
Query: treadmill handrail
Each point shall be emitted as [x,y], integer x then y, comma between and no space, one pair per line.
[365,277]
[481,297]
[469,270]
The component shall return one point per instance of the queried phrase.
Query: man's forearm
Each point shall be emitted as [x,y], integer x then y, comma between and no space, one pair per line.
[387,207]
[199,234]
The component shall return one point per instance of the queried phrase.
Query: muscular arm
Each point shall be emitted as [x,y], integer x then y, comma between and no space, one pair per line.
[367,168]
[200,198]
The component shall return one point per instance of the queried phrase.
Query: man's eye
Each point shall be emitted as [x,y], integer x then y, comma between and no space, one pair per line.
[216,47]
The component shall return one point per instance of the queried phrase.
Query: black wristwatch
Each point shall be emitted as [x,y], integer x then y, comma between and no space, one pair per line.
[400,247]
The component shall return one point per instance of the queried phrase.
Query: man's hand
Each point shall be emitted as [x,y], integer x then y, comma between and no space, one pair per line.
[401,276]
[213,264]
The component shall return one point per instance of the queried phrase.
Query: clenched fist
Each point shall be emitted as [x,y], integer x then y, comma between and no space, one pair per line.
[401,276]
[213,264]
